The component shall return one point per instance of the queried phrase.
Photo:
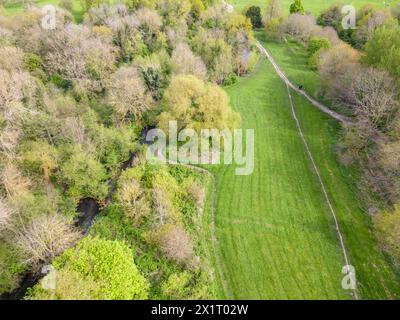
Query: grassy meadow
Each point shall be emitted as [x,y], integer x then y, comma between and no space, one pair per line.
[276,236]
[312,6]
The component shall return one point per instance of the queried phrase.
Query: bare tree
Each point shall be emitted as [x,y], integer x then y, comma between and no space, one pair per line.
[149,20]
[370,94]
[299,26]
[126,93]
[13,182]
[45,238]
[6,214]
[14,87]
[161,207]
[273,10]
[185,62]
[11,58]
[176,244]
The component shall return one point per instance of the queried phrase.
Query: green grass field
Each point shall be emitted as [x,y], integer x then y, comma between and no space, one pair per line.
[276,237]
[313,6]
[14,9]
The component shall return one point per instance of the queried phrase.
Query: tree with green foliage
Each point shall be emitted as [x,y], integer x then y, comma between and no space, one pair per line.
[84,176]
[96,269]
[387,224]
[315,44]
[314,48]
[40,157]
[254,14]
[195,104]
[297,7]
[383,49]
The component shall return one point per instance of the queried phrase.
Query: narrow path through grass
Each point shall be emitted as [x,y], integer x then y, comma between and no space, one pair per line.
[276,235]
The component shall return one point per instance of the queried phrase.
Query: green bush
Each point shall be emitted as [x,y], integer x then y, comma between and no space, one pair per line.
[113,224]
[110,263]
[387,225]
[39,157]
[57,80]
[254,14]
[315,44]
[84,176]
[10,268]
[33,62]
[231,79]
[297,7]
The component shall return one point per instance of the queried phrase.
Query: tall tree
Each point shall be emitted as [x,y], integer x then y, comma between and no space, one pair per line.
[273,10]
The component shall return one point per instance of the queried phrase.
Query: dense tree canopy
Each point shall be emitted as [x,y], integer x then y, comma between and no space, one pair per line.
[195,104]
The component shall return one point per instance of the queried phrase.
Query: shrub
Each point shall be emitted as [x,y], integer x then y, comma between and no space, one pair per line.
[297,7]
[11,58]
[314,48]
[176,243]
[33,62]
[113,224]
[84,176]
[69,285]
[383,50]
[40,157]
[315,44]
[197,193]
[387,224]
[231,79]
[45,238]
[254,14]
[108,262]
[176,287]
[300,27]
[161,207]
[10,268]
[132,199]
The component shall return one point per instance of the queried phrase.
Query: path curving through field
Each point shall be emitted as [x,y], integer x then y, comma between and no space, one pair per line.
[285,79]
